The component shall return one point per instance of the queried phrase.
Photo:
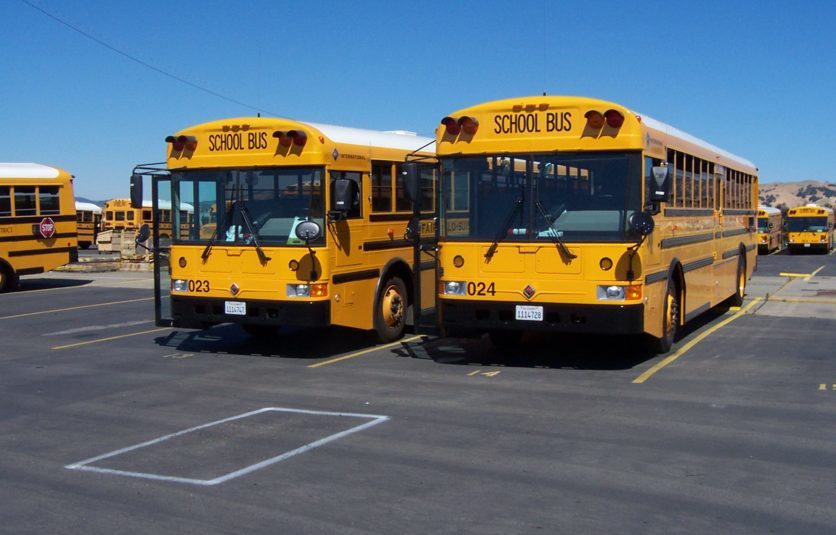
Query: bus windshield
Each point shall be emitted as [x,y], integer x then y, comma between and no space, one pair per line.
[241,206]
[763,224]
[807,224]
[573,196]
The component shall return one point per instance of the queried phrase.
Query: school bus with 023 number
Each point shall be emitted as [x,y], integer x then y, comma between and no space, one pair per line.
[295,223]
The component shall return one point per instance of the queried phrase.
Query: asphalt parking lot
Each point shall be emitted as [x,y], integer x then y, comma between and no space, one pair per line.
[113,425]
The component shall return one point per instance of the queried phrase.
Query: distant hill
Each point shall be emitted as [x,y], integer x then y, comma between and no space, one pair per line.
[85,199]
[794,194]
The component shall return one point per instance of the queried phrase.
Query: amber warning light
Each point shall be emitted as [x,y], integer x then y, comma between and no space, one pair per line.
[291,137]
[179,143]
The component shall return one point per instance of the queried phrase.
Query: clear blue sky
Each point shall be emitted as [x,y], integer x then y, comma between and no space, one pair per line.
[757,78]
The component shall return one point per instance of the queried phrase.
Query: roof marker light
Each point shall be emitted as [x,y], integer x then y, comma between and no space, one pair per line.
[469,124]
[614,118]
[594,119]
[190,142]
[176,144]
[453,126]
[299,137]
[284,139]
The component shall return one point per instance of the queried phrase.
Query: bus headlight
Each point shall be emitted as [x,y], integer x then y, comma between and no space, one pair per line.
[307,290]
[454,288]
[179,285]
[619,293]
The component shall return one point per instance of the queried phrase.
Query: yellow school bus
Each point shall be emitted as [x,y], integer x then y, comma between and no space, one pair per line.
[37,221]
[120,214]
[571,214]
[88,220]
[810,228]
[295,223]
[770,229]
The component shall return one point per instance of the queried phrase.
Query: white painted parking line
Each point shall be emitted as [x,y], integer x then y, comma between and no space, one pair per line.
[99,327]
[85,464]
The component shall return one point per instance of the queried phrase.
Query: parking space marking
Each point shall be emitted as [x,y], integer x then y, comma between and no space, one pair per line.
[98,340]
[80,307]
[99,327]
[681,351]
[85,464]
[364,352]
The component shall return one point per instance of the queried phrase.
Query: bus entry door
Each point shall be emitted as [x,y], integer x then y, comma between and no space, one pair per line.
[161,185]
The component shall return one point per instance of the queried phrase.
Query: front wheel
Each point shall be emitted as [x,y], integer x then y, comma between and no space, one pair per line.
[390,310]
[670,320]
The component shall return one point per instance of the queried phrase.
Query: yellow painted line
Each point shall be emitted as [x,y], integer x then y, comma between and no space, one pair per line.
[803,300]
[794,274]
[364,352]
[109,338]
[813,274]
[75,308]
[681,351]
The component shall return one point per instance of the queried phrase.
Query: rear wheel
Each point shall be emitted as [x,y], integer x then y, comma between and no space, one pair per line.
[8,279]
[740,289]
[670,320]
[390,310]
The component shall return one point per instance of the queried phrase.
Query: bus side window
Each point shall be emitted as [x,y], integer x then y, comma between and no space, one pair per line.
[5,201]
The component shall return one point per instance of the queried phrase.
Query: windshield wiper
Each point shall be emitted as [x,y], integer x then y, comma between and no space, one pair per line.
[215,234]
[504,230]
[245,216]
[553,232]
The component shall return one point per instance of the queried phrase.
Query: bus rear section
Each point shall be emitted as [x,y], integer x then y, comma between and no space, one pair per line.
[38,230]
[810,228]
[88,220]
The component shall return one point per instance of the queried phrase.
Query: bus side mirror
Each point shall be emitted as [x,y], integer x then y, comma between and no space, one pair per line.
[410,174]
[143,234]
[345,197]
[660,187]
[136,191]
[641,223]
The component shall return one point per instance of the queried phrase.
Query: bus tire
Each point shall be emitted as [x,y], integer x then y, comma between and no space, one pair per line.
[390,310]
[84,245]
[8,279]
[670,320]
[740,283]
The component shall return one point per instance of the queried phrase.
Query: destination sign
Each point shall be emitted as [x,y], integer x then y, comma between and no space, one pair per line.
[235,141]
[533,122]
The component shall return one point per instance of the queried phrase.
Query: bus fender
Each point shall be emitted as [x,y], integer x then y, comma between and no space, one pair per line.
[396,267]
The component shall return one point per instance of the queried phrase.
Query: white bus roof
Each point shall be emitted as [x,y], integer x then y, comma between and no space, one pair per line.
[27,170]
[393,139]
[166,205]
[769,209]
[87,206]
[671,131]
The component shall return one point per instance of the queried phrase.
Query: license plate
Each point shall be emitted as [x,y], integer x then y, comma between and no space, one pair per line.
[529,313]
[806,245]
[235,308]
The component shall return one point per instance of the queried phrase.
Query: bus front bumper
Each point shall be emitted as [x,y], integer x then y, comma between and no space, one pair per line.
[197,312]
[563,318]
